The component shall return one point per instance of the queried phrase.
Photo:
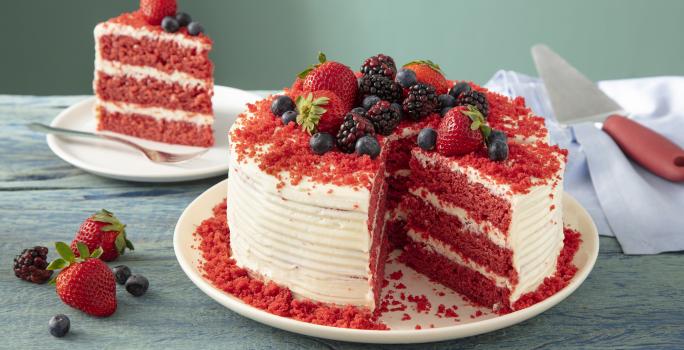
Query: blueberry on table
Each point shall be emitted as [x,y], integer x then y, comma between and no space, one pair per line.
[459,88]
[370,101]
[183,19]
[282,104]
[59,325]
[195,28]
[427,138]
[137,285]
[289,116]
[367,145]
[446,100]
[406,78]
[321,142]
[121,274]
[170,24]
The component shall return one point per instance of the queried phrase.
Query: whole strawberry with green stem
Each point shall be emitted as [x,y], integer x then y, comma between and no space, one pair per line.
[428,72]
[461,131]
[103,230]
[331,76]
[85,282]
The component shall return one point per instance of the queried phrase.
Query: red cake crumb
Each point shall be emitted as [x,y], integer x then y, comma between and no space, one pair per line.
[421,301]
[219,268]
[137,20]
[418,327]
[396,275]
[441,294]
[402,296]
[400,286]
[406,317]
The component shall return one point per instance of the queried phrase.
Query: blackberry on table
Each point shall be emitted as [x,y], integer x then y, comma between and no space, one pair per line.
[421,101]
[31,263]
[354,127]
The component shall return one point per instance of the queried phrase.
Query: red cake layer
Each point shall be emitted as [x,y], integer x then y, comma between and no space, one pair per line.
[397,188]
[177,132]
[152,92]
[470,283]
[431,222]
[376,227]
[455,189]
[163,55]
[396,233]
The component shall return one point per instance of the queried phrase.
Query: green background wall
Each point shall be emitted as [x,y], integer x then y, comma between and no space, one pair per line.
[47,45]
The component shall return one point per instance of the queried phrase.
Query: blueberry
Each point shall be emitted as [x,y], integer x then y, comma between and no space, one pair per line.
[368,145]
[137,285]
[446,100]
[59,325]
[195,28]
[170,24]
[183,19]
[359,110]
[497,135]
[289,116]
[370,101]
[427,138]
[459,88]
[282,104]
[497,150]
[444,111]
[321,142]
[397,107]
[121,273]
[406,78]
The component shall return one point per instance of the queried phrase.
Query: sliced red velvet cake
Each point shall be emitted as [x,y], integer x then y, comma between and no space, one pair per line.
[154,80]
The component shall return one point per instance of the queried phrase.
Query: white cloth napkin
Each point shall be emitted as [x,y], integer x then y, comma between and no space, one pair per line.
[644,212]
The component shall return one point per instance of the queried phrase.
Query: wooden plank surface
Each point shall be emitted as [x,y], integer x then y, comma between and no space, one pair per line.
[627,301]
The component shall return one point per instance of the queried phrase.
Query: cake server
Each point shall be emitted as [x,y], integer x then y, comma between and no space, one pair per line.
[575,99]
[151,154]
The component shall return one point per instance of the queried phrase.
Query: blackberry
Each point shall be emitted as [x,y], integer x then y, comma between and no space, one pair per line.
[384,117]
[421,101]
[354,127]
[379,64]
[475,99]
[380,86]
[31,263]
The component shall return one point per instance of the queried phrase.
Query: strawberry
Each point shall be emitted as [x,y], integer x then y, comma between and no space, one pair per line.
[85,283]
[155,10]
[320,111]
[428,72]
[463,130]
[332,76]
[103,229]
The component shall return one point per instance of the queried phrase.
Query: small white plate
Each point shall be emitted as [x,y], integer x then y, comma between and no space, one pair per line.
[114,160]
[188,255]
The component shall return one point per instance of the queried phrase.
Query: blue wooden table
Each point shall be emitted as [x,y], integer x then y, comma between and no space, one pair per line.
[627,301]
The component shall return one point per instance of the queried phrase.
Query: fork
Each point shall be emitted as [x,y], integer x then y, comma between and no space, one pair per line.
[151,154]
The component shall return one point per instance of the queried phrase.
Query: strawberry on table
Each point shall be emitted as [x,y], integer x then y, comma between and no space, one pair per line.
[461,131]
[155,10]
[320,111]
[332,76]
[428,72]
[104,230]
[85,282]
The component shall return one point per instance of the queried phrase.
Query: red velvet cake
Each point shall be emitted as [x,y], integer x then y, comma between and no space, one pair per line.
[154,81]
[326,178]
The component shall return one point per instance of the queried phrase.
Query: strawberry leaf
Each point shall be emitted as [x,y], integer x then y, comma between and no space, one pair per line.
[57,264]
[65,252]
[129,245]
[321,57]
[82,250]
[96,253]
[310,112]
[120,243]
[53,281]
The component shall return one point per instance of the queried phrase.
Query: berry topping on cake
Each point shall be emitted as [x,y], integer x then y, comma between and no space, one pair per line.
[384,117]
[369,101]
[155,10]
[321,142]
[289,116]
[461,132]
[137,285]
[446,100]
[85,282]
[282,104]
[170,24]
[459,88]
[379,64]
[31,263]
[427,138]
[428,72]
[359,110]
[183,19]
[497,146]
[195,28]
[367,145]
[444,111]
[297,87]
[59,325]
[104,230]
[474,98]
[406,78]
[354,127]
[121,273]
[380,86]
[420,101]
[332,76]
[397,107]
[320,110]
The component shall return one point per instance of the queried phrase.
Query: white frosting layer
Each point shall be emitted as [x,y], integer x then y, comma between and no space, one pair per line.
[109,28]
[114,68]
[157,113]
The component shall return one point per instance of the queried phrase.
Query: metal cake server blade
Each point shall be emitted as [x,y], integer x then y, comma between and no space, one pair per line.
[575,98]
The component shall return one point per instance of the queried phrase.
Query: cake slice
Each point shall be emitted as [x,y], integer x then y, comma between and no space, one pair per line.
[152,83]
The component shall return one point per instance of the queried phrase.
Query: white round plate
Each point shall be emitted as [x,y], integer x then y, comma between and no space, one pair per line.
[574,215]
[111,159]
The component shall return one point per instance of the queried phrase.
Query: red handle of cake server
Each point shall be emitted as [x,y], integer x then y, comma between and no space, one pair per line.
[646,147]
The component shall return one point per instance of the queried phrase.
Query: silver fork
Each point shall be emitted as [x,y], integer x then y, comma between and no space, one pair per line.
[153,155]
